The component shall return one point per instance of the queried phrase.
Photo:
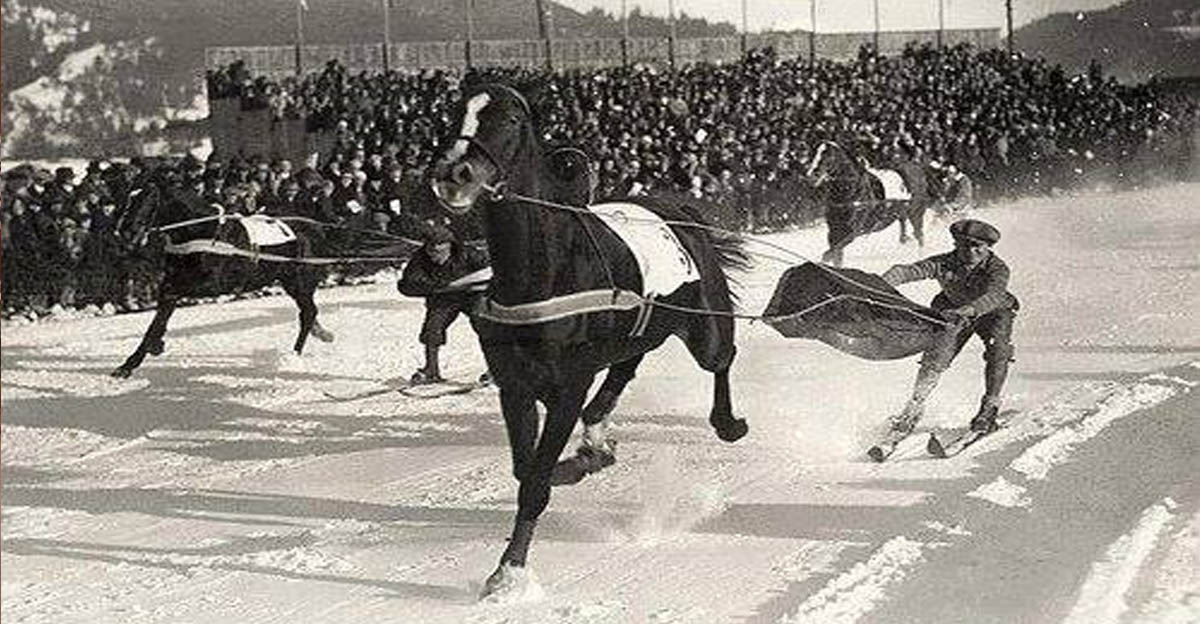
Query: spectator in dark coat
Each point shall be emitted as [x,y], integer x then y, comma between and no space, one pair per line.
[435,273]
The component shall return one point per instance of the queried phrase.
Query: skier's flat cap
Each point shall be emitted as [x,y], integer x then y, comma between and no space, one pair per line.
[974,230]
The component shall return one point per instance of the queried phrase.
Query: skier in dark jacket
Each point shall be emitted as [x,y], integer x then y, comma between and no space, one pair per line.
[976,300]
[432,273]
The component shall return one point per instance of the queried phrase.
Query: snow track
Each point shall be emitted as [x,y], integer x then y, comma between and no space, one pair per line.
[222,483]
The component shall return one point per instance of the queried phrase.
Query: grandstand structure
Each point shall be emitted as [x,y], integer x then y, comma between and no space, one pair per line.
[280,61]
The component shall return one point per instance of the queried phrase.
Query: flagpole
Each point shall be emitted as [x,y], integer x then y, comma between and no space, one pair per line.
[1008,21]
[543,31]
[470,31]
[812,33]
[875,35]
[624,34]
[941,21]
[671,36]
[300,6]
[387,35]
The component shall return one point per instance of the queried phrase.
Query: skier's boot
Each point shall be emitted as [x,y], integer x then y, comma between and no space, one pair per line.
[423,376]
[985,420]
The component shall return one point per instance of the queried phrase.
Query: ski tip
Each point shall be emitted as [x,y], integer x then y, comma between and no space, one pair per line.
[934,447]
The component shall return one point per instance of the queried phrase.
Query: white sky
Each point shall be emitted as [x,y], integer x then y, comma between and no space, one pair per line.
[851,15]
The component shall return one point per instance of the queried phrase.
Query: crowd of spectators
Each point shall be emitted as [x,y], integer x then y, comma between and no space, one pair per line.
[739,134]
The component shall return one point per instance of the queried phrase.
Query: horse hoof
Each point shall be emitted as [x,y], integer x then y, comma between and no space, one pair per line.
[121,373]
[322,334]
[511,584]
[156,348]
[733,430]
[587,459]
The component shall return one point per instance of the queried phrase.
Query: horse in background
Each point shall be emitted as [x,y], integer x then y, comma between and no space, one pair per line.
[564,301]
[857,201]
[194,267]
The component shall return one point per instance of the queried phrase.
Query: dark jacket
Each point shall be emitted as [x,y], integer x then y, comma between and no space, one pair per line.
[423,278]
[984,287]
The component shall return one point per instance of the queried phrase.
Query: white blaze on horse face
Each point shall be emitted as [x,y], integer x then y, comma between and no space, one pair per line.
[470,126]
[816,161]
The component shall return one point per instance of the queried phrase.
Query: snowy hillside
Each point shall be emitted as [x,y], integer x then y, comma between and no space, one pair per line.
[228,481]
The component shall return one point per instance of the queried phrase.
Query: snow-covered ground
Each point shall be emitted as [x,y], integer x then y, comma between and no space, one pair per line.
[223,483]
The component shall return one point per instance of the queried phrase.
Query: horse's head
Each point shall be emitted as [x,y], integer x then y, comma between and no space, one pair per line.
[826,164]
[140,215]
[494,149]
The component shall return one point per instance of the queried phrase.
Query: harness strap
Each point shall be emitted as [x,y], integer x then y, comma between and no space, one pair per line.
[222,248]
[559,307]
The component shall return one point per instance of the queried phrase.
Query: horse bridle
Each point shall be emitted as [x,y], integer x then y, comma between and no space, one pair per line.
[827,177]
[496,190]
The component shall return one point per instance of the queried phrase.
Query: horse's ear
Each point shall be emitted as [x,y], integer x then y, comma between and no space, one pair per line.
[540,94]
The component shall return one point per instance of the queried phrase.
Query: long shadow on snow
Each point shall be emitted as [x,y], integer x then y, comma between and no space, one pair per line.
[114,555]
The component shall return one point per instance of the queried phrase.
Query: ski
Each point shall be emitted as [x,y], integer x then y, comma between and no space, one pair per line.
[440,389]
[428,390]
[883,449]
[951,446]
[358,396]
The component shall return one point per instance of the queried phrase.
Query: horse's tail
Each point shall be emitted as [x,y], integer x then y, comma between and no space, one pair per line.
[729,247]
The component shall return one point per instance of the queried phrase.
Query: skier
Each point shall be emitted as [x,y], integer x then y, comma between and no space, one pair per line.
[976,301]
[430,274]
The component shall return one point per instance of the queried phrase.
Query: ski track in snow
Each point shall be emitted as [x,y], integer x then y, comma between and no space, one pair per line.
[1036,461]
[222,483]
[1102,597]
[849,596]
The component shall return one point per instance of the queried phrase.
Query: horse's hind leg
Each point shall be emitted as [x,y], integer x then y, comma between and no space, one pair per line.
[598,451]
[302,291]
[904,228]
[917,215]
[152,342]
[710,341]
[602,404]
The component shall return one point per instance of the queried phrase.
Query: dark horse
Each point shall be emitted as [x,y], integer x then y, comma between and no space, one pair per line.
[543,253]
[855,203]
[159,203]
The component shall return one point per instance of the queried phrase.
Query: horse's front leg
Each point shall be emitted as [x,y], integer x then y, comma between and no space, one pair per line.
[152,342]
[511,579]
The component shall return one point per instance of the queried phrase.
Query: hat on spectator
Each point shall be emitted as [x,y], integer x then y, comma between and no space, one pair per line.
[64,174]
[974,230]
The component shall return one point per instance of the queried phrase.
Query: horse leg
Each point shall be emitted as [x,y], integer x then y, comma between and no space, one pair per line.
[918,222]
[619,375]
[903,220]
[834,255]
[301,291]
[152,342]
[533,467]
[710,341]
[597,451]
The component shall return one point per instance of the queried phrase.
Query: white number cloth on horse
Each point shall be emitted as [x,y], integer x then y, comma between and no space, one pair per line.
[266,231]
[663,261]
[893,184]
